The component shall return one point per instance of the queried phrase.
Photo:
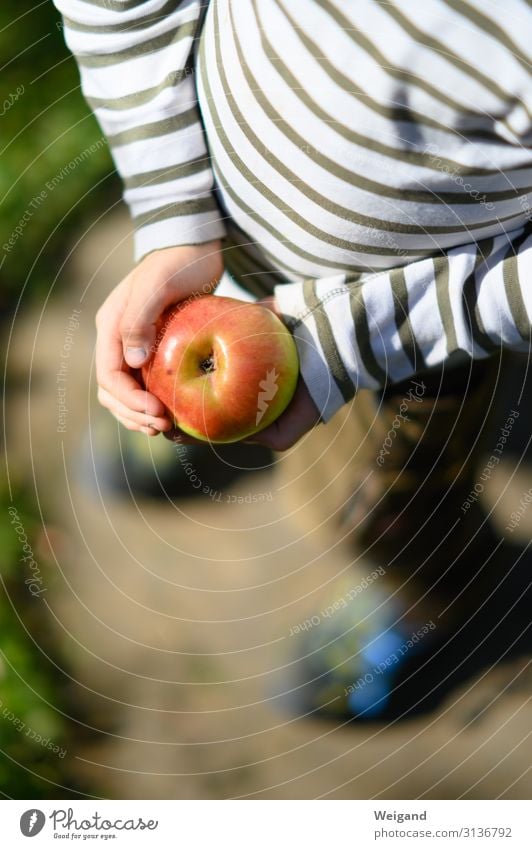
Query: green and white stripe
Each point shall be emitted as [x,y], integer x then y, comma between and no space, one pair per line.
[137,73]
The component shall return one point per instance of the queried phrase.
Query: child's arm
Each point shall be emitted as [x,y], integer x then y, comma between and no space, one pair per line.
[476,298]
[136,67]
[137,74]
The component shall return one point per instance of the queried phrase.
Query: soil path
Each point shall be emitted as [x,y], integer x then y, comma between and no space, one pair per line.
[173,614]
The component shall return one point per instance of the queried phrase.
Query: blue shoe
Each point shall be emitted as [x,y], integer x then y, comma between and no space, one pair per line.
[352,657]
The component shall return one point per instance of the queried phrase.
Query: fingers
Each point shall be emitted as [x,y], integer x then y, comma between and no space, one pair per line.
[278,438]
[111,375]
[299,417]
[128,392]
[181,438]
[138,325]
[139,419]
[130,425]
[270,303]
[127,323]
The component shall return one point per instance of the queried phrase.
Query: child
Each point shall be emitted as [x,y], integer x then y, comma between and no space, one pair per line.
[364,166]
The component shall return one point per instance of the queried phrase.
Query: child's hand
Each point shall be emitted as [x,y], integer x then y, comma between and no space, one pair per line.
[126,327]
[300,416]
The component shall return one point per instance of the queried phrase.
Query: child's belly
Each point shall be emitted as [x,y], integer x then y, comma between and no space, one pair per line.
[327,161]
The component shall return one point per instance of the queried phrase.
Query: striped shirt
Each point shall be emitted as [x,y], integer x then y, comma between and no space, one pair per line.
[368,161]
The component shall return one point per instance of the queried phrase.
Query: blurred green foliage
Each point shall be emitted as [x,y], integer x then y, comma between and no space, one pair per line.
[34,735]
[44,124]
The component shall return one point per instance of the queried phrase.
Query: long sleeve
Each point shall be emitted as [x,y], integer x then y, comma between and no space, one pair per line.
[390,325]
[137,74]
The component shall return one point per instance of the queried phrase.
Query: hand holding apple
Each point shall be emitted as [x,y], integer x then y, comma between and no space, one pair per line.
[225,369]
[126,328]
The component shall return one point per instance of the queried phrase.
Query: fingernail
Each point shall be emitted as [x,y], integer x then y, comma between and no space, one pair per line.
[146,430]
[135,356]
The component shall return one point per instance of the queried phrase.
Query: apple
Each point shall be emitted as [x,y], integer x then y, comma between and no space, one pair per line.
[223,368]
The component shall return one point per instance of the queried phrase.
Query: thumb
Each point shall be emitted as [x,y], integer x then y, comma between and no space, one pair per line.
[138,325]
[161,279]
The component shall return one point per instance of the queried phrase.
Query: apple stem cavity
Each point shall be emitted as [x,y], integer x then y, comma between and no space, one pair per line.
[208,365]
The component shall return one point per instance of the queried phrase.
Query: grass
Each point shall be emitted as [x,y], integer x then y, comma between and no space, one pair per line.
[56,174]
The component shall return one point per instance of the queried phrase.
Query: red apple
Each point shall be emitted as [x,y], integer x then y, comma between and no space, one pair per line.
[224,369]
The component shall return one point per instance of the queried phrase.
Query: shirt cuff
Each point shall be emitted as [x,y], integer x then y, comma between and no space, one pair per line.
[328,394]
[177,229]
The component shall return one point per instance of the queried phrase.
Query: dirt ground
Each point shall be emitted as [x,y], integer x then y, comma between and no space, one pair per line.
[175,614]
